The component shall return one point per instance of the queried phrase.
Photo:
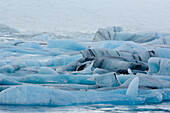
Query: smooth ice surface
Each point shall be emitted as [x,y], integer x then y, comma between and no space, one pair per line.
[65,44]
[5,80]
[133,87]
[163,52]
[38,95]
[46,70]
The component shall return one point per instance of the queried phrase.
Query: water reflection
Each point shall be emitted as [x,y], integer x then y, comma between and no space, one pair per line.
[96,108]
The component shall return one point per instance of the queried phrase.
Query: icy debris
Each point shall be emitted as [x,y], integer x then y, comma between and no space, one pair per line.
[46,70]
[5,80]
[65,44]
[133,88]
[159,66]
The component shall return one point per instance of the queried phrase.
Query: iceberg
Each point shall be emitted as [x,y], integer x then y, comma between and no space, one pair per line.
[159,66]
[46,70]
[30,45]
[55,79]
[139,37]
[109,79]
[127,52]
[38,95]
[65,44]
[5,80]
[148,82]
[162,52]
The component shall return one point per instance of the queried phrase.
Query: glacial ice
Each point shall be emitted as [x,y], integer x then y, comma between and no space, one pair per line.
[31,45]
[5,80]
[46,70]
[38,95]
[147,81]
[159,66]
[43,37]
[141,37]
[109,80]
[65,44]
[56,79]
[133,87]
[162,52]
[66,72]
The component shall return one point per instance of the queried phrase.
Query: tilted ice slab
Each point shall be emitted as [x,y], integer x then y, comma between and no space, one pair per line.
[147,81]
[108,34]
[159,66]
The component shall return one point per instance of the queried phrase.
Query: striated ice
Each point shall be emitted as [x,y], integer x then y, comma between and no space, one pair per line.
[160,66]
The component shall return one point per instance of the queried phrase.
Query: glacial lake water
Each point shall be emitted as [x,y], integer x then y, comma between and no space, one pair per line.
[97,108]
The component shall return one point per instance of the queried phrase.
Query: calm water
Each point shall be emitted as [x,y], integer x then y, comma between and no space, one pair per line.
[161,107]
